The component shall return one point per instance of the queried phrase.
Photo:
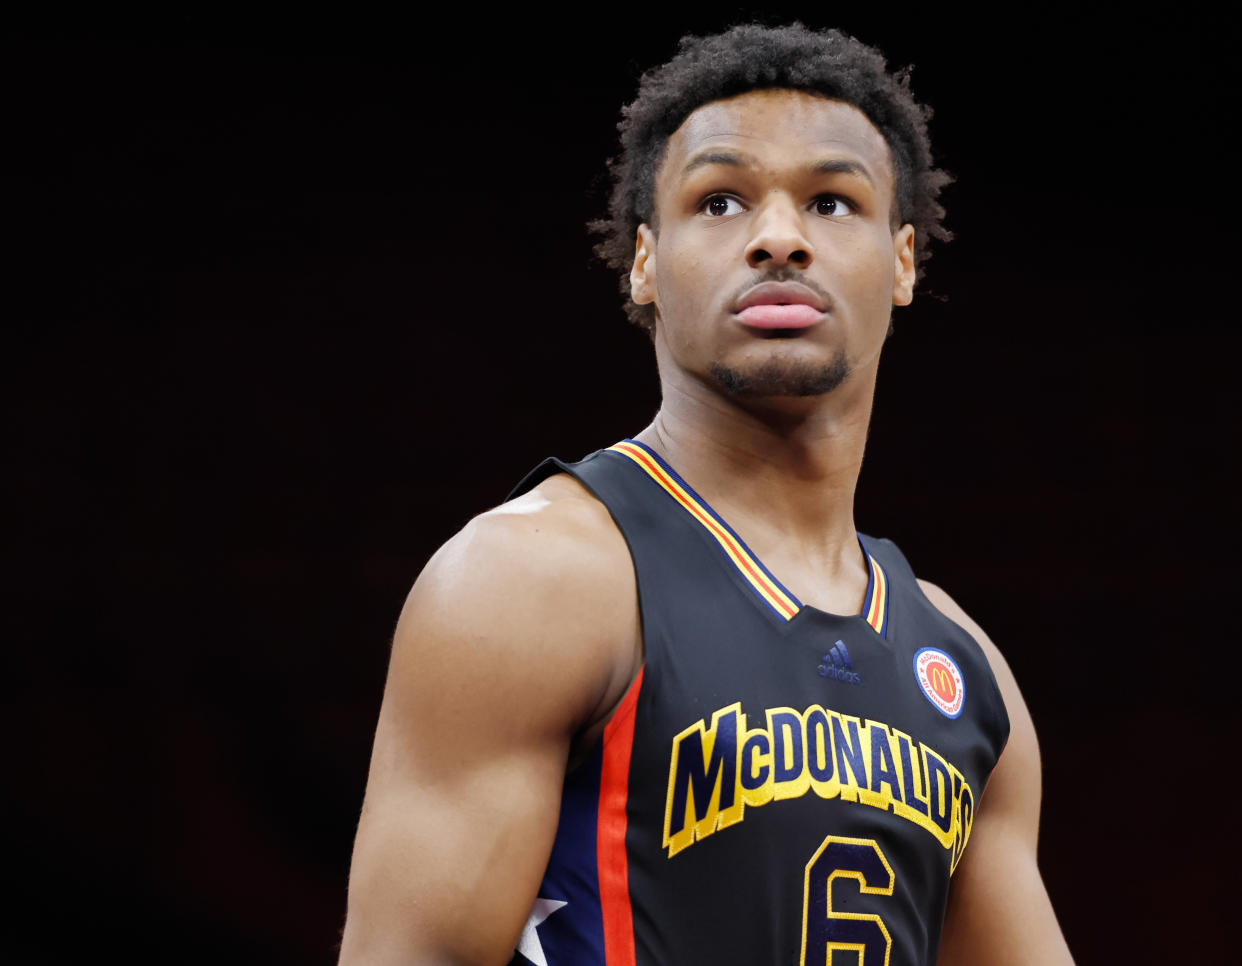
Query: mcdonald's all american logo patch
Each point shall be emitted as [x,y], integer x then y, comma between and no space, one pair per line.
[941,680]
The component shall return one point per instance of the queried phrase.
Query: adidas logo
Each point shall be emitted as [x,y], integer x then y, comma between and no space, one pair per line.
[837,665]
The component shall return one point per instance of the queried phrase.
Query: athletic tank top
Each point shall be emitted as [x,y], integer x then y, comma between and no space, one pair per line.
[779,785]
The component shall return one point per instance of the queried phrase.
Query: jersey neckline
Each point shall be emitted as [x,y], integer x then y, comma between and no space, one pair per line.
[779,600]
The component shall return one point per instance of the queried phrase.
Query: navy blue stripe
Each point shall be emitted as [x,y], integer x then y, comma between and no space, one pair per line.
[575,933]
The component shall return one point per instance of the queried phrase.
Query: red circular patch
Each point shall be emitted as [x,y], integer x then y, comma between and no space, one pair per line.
[941,680]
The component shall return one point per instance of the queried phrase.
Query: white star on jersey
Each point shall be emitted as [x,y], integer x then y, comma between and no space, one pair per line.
[529,945]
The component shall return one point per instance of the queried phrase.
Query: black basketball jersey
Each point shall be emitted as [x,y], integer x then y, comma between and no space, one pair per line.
[779,785]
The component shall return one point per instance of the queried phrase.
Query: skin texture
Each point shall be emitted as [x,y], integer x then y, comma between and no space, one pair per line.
[522,635]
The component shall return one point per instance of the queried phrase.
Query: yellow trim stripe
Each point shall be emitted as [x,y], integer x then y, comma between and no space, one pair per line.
[878,605]
[747,565]
[875,607]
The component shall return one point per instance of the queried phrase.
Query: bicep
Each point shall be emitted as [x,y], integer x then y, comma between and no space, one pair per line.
[999,911]
[445,869]
[466,773]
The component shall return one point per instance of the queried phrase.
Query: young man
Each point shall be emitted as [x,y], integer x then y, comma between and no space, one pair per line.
[619,729]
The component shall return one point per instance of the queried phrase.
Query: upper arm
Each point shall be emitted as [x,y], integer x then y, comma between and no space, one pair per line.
[505,648]
[999,911]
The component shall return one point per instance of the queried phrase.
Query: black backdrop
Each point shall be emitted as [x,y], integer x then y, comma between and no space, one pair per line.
[294,296]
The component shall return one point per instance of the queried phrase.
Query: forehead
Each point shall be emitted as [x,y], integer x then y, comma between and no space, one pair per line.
[781,124]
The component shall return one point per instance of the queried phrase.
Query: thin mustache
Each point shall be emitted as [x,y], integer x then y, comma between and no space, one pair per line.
[784,275]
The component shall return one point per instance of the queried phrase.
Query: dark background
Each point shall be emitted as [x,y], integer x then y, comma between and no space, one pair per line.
[294,295]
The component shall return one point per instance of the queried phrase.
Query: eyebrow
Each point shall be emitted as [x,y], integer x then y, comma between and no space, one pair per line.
[841,166]
[735,159]
[730,158]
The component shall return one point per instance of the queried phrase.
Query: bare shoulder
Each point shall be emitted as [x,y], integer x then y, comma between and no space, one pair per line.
[1015,786]
[541,587]
[519,634]
[552,554]
[1000,667]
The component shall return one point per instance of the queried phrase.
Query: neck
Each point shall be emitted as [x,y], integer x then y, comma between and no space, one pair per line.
[782,469]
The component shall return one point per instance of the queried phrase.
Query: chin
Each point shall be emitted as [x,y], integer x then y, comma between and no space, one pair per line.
[780,377]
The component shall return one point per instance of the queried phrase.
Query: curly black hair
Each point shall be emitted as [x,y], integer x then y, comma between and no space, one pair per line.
[753,57]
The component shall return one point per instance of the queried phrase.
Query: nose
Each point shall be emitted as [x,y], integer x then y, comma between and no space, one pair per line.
[779,237]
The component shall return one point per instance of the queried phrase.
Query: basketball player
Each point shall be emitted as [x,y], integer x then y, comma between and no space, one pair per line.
[667,706]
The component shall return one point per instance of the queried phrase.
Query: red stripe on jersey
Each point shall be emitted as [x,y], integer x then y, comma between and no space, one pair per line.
[611,858]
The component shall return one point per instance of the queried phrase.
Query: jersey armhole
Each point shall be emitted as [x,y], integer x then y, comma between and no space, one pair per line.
[997,711]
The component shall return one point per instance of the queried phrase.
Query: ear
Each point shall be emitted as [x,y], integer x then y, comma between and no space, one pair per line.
[643,271]
[903,265]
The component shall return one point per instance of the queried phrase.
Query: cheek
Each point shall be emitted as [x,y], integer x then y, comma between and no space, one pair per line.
[870,272]
[684,284]
[686,269]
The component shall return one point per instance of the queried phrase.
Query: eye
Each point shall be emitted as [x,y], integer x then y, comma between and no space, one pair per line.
[718,206]
[833,207]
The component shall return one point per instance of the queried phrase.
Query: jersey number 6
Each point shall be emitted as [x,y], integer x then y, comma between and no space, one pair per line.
[825,929]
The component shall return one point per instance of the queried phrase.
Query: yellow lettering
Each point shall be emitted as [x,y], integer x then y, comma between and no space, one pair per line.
[702,780]
[715,772]
[790,778]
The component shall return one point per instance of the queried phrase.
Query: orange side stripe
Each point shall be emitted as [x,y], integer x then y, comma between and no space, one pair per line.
[612,861]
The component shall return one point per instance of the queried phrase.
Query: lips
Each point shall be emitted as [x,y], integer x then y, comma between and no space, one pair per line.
[779,316]
[780,305]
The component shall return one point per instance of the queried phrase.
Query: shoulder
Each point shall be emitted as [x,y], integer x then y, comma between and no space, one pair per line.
[1005,679]
[552,548]
[511,645]
[537,591]
[1015,784]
